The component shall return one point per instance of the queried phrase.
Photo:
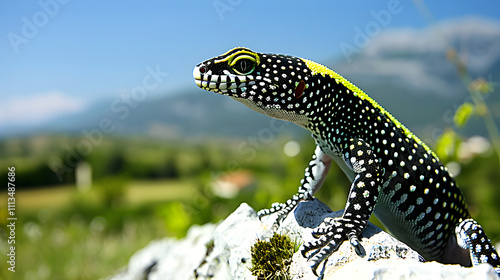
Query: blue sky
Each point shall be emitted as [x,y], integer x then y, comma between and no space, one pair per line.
[58,57]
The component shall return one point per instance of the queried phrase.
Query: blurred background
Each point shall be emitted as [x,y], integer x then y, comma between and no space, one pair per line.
[114,145]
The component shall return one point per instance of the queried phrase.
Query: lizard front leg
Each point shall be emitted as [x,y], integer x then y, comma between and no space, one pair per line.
[363,193]
[313,180]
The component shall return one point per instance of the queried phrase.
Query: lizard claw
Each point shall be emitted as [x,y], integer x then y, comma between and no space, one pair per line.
[277,208]
[329,236]
[283,209]
[358,248]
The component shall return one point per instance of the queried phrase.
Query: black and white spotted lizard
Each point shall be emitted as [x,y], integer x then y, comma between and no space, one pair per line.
[393,173]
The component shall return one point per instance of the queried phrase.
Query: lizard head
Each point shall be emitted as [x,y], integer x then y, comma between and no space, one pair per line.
[271,84]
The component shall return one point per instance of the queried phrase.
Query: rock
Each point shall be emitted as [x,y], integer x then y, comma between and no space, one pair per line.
[223,252]
[377,243]
[169,258]
[232,239]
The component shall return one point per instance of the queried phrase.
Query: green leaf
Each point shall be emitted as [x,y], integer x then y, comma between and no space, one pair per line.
[463,113]
[447,144]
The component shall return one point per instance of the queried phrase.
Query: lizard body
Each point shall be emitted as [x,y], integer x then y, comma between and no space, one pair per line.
[393,173]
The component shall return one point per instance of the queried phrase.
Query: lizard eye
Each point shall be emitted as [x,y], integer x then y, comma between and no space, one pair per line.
[243,66]
[203,69]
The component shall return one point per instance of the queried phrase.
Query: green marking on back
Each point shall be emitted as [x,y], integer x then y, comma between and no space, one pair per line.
[317,68]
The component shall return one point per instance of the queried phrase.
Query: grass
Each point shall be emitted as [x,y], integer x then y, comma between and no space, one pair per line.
[65,234]
[137,192]
[51,197]
[77,249]
[157,191]
[271,259]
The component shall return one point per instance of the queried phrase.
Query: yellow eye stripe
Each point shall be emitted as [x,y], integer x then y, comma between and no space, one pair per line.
[234,57]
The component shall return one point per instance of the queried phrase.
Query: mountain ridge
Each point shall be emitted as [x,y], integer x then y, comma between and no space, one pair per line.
[406,71]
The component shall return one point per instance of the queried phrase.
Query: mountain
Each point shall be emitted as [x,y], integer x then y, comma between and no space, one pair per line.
[408,71]
[405,70]
[192,113]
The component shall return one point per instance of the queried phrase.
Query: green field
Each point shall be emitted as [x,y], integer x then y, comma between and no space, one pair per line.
[138,192]
[64,234]
[144,190]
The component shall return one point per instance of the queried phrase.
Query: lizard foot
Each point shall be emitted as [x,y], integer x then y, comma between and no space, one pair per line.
[470,235]
[329,236]
[283,209]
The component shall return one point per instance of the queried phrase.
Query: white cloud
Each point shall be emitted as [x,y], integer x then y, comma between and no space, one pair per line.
[417,57]
[435,38]
[38,108]
[476,39]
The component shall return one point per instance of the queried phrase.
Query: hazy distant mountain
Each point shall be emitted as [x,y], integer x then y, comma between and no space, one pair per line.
[417,58]
[405,70]
[193,113]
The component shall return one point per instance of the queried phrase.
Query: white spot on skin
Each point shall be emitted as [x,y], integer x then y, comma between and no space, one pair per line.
[420,217]
[366,194]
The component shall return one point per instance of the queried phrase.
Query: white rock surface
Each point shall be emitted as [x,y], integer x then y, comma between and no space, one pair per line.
[223,252]
[170,258]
